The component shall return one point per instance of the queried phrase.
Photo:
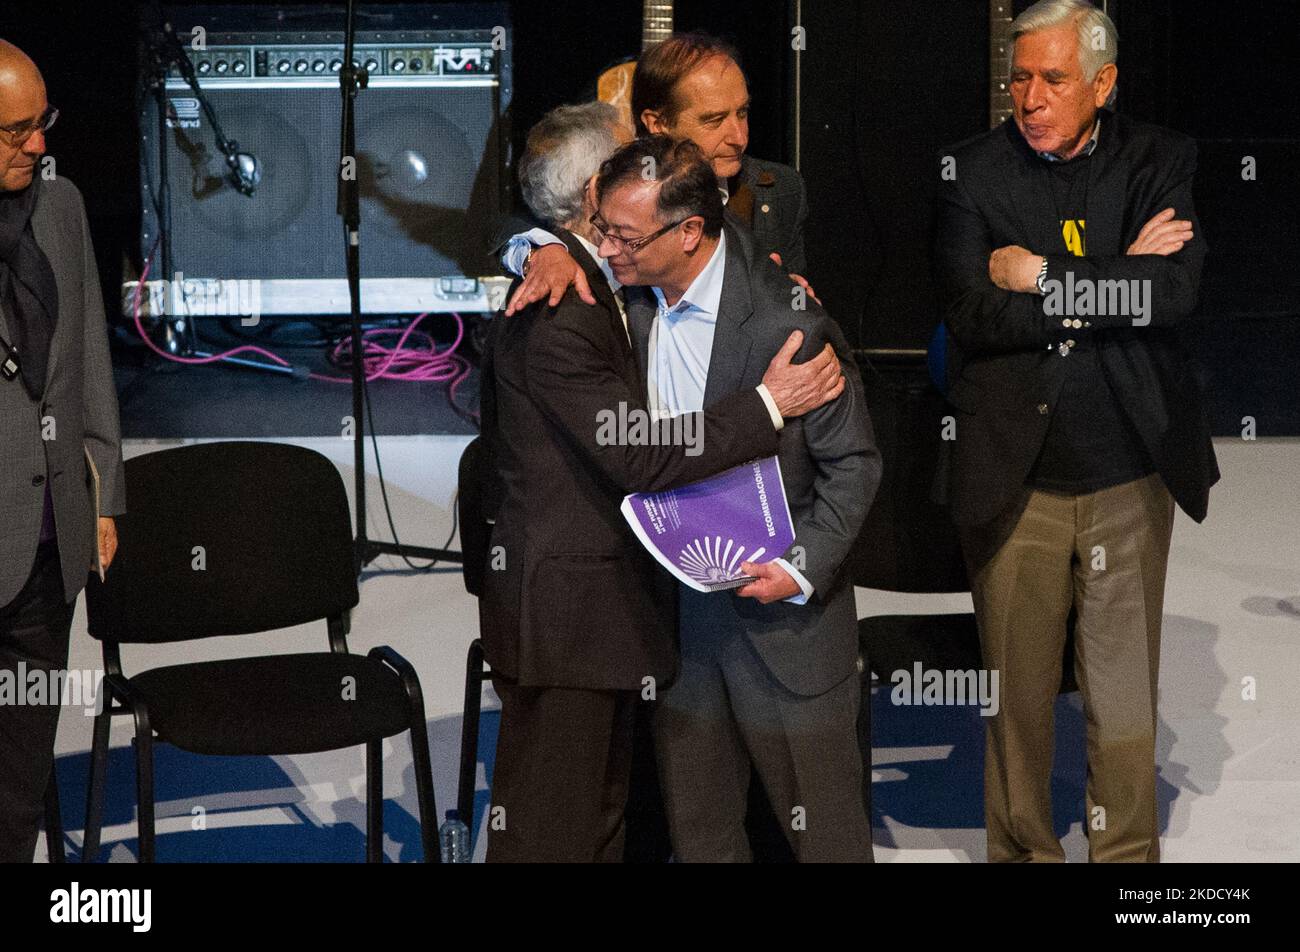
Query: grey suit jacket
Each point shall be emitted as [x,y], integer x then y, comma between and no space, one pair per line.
[51,440]
[829,464]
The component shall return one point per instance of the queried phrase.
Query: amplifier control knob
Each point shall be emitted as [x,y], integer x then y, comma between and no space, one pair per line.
[222,66]
[283,66]
[397,66]
[372,65]
[300,66]
[239,68]
[416,66]
[318,66]
[204,68]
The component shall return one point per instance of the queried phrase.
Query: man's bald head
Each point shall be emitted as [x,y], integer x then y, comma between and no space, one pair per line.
[22,103]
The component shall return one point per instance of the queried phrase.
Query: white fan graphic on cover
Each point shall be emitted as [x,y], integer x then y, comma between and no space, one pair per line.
[711,563]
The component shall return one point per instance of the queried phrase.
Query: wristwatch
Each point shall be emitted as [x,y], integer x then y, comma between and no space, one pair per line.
[1041,280]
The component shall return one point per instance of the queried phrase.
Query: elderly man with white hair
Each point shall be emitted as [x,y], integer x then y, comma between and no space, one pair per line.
[1069,258]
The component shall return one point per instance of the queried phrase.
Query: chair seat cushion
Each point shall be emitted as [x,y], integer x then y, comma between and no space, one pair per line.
[279,704]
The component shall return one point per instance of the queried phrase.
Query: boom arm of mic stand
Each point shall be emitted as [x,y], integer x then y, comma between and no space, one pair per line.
[173,52]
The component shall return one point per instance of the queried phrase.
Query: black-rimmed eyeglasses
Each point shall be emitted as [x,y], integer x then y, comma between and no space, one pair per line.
[631,244]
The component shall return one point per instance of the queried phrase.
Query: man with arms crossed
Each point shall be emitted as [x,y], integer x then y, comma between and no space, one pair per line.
[1077,428]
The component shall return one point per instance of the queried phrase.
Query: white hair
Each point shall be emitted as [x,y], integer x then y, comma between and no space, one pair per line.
[1098,41]
[564,150]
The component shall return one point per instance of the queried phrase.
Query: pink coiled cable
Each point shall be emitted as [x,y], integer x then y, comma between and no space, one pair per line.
[419,361]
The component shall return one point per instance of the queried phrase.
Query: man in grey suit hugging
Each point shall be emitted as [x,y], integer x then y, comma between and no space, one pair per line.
[769,676]
[61,479]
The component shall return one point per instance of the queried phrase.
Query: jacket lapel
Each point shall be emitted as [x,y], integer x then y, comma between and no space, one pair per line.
[44,230]
[1028,180]
[1107,192]
[641,309]
[598,282]
[731,340]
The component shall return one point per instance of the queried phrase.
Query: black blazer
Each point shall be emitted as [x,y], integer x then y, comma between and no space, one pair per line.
[1010,371]
[571,599]
[770,200]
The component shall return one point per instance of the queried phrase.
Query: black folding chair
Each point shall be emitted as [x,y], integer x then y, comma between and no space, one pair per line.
[475,532]
[238,538]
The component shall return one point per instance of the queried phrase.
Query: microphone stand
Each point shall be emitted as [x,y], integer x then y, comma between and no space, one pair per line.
[159,63]
[352,79]
[244,181]
[162,57]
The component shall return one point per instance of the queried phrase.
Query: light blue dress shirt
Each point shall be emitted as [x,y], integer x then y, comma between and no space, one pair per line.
[681,345]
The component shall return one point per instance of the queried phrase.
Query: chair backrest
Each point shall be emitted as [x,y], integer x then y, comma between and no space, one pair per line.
[474,500]
[226,538]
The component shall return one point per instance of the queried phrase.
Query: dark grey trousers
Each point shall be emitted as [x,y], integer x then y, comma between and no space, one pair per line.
[726,715]
[34,629]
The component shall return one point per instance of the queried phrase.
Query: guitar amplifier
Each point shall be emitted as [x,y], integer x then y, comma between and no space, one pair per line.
[432,159]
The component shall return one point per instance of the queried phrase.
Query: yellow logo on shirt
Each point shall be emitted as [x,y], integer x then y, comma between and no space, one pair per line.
[1075,233]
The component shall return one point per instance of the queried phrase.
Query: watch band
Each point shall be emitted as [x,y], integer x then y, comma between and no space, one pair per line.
[1041,280]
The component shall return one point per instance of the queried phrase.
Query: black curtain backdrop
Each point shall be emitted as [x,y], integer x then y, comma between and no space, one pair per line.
[885,84]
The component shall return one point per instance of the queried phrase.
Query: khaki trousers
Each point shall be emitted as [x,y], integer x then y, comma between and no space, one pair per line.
[1104,554]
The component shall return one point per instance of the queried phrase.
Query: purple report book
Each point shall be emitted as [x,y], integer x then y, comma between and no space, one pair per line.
[702,532]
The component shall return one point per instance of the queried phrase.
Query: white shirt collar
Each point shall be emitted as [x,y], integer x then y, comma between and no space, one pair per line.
[705,292]
[601,263]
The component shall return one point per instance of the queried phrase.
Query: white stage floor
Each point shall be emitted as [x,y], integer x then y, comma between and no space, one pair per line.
[1229,767]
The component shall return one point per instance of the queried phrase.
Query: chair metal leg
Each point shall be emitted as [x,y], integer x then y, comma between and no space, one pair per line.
[53,820]
[98,780]
[375,801]
[428,804]
[424,785]
[144,791]
[469,733]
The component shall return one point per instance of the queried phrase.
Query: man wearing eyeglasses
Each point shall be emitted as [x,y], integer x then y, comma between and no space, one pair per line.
[61,481]
[769,673]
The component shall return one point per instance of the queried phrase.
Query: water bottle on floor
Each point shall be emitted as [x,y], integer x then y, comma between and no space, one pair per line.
[453,837]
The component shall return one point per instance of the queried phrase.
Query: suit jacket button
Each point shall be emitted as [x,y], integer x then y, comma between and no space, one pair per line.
[37,480]
[1042,409]
[1065,322]
[766,208]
